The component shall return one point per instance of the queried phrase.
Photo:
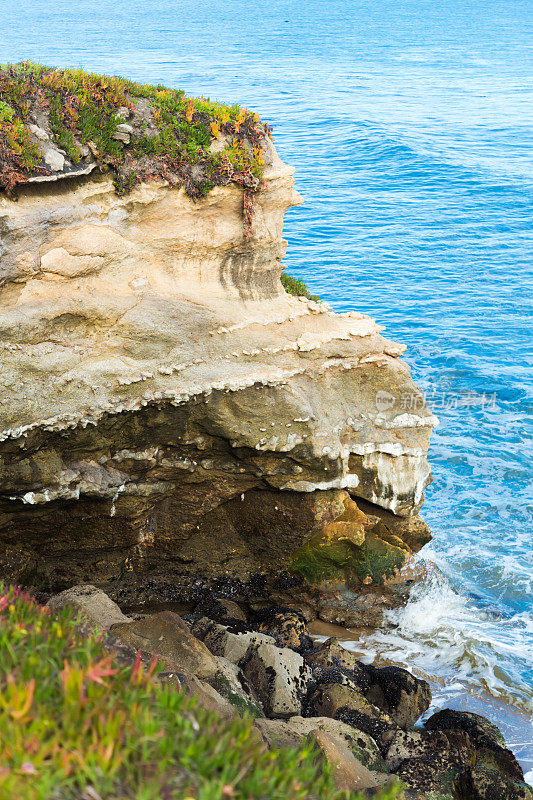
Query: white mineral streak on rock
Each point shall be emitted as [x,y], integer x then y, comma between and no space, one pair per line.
[110,306]
[345,482]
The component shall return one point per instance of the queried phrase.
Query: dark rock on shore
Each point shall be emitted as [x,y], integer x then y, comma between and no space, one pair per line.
[351,706]
[220,609]
[393,690]
[489,744]
[480,730]
[289,628]
[401,695]
[359,717]
[487,784]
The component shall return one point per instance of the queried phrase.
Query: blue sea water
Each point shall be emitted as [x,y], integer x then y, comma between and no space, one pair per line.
[410,126]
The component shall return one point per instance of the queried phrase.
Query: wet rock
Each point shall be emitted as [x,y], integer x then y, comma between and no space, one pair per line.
[166,635]
[491,753]
[433,777]
[486,784]
[332,663]
[220,609]
[291,601]
[399,693]
[404,746]
[229,642]
[499,759]
[348,772]
[280,678]
[332,654]
[94,605]
[433,763]
[289,629]
[351,706]
[352,678]
[340,606]
[480,729]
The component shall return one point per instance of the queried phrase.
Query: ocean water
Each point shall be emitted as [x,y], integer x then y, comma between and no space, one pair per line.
[410,127]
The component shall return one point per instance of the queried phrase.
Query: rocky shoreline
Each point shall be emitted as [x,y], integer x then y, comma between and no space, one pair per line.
[362,718]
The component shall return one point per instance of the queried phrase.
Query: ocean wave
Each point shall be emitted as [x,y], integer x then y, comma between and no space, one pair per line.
[453,637]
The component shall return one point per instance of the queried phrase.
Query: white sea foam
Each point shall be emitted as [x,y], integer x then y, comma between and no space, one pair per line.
[449,636]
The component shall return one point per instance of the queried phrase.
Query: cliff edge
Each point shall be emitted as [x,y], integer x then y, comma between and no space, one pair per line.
[169,415]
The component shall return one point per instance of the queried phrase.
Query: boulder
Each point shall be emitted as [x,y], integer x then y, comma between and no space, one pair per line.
[489,744]
[479,728]
[432,763]
[228,642]
[401,746]
[288,628]
[348,772]
[92,603]
[399,694]
[363,747]
[166,635]
[351,706]
[206,695]
[435,778]
[280,678]
[332,663]
[499,759]
[363,608]
[278,733]
[220,609]
[332,654]
[393,690]
[486,784]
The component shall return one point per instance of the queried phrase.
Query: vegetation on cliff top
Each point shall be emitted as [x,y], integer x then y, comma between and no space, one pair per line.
[75,722]
[168,136]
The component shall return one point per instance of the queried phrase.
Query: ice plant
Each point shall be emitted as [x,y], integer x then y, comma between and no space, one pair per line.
[96,672]
[74,723]
[170,139]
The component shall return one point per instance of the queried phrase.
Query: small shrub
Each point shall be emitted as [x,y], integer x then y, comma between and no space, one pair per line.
[297,287]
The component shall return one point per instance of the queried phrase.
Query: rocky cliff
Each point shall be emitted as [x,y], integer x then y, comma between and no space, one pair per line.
[170,416]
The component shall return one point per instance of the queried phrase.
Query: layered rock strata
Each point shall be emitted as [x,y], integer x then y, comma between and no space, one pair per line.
[169,414]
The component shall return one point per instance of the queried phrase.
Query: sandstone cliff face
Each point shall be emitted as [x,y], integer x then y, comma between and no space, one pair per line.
[167,411]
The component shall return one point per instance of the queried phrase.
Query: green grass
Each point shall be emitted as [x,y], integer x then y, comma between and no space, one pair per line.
[71,718]
[297,287]
[173,132]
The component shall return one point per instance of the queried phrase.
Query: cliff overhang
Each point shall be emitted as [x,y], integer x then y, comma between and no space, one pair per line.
[171,414]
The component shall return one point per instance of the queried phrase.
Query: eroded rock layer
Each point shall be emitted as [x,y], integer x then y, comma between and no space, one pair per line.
[167,411]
